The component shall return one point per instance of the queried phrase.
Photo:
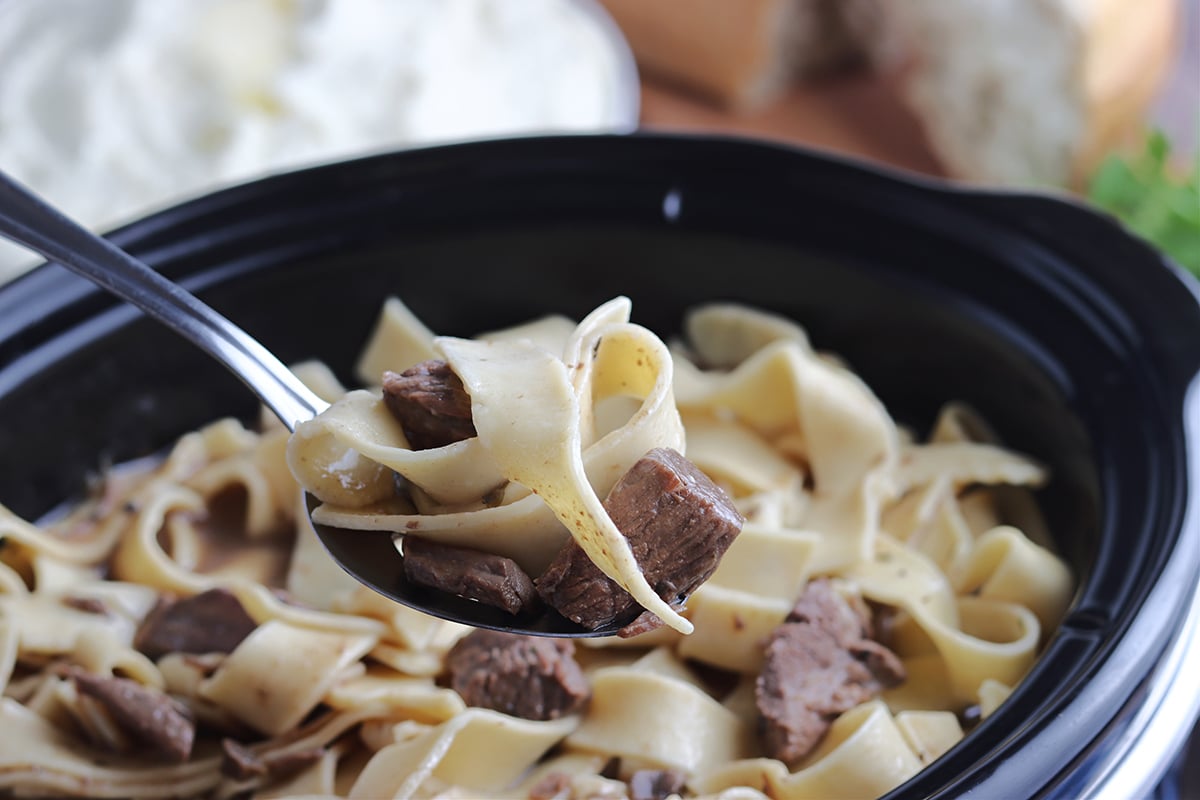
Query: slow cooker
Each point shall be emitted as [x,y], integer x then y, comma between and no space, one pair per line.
[1077,341]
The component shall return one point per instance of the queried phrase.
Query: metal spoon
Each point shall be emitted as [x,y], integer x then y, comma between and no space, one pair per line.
[369,557]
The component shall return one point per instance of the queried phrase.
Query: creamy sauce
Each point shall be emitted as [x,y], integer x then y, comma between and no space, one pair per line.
[225,550]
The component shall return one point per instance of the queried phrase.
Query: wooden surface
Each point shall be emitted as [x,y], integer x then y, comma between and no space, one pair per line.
[857,115]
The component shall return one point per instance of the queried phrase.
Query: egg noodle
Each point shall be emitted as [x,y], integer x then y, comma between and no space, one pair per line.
[345,683]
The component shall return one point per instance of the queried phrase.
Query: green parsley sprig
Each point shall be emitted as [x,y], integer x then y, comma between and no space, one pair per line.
[1156,200]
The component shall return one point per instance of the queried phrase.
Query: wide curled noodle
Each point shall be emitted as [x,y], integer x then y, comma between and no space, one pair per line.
[654,712]
[534,412]
[527,414]
[476,751]
[348,690]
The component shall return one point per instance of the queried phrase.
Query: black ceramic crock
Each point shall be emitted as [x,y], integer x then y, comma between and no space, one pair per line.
[1078,342]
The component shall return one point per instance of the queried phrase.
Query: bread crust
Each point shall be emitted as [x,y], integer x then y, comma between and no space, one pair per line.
[997,107]
[1060,83]
[744,53]
[1129,49]
[731,52]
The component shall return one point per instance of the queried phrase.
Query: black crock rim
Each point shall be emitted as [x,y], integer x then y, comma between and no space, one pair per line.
[1033,216]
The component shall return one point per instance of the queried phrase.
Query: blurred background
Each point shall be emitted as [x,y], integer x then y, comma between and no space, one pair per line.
[112,108]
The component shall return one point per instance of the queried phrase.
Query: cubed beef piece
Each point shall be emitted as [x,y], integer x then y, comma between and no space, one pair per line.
[430,404]
[285,762]
[488,578]
[151,718]
[848,619]
[524,676]
[645,622]
[210,622]
[818,664]
[240,762]
[679,524]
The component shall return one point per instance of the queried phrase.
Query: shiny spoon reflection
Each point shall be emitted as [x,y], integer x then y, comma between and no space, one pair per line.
[369,557]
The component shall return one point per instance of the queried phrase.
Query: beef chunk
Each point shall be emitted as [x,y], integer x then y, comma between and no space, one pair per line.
[281,763]
[643,623]
[655,784]
[524,676]
[210,622]
[679,524]
[850,621]
[148,716]
[430,404]
[485,577]
[647,621]
[847,619]
[818,664]
[240,762]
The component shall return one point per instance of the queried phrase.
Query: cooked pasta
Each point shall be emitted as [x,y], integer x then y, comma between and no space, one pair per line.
[193,590]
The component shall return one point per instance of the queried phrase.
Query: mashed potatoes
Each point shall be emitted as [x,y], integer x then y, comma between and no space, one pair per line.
[112,108]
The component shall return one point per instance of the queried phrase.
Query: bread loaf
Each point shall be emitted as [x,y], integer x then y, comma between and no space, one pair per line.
[1014,92]
[742,54]
[1029,93]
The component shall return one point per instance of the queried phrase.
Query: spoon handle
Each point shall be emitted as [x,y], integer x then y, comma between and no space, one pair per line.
[28,220]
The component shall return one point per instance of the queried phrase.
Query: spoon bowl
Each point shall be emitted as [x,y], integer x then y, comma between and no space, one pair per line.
[377,564]
[371,558]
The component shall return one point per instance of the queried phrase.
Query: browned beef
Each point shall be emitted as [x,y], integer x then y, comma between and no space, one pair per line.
[210,622]
[655,784]
[430,404]
[852,623]
[530,677]
[485,577]
[818,664]
[287,762]
[848,620]
[679,524]
[645,622]
[151,718]
[240,762]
